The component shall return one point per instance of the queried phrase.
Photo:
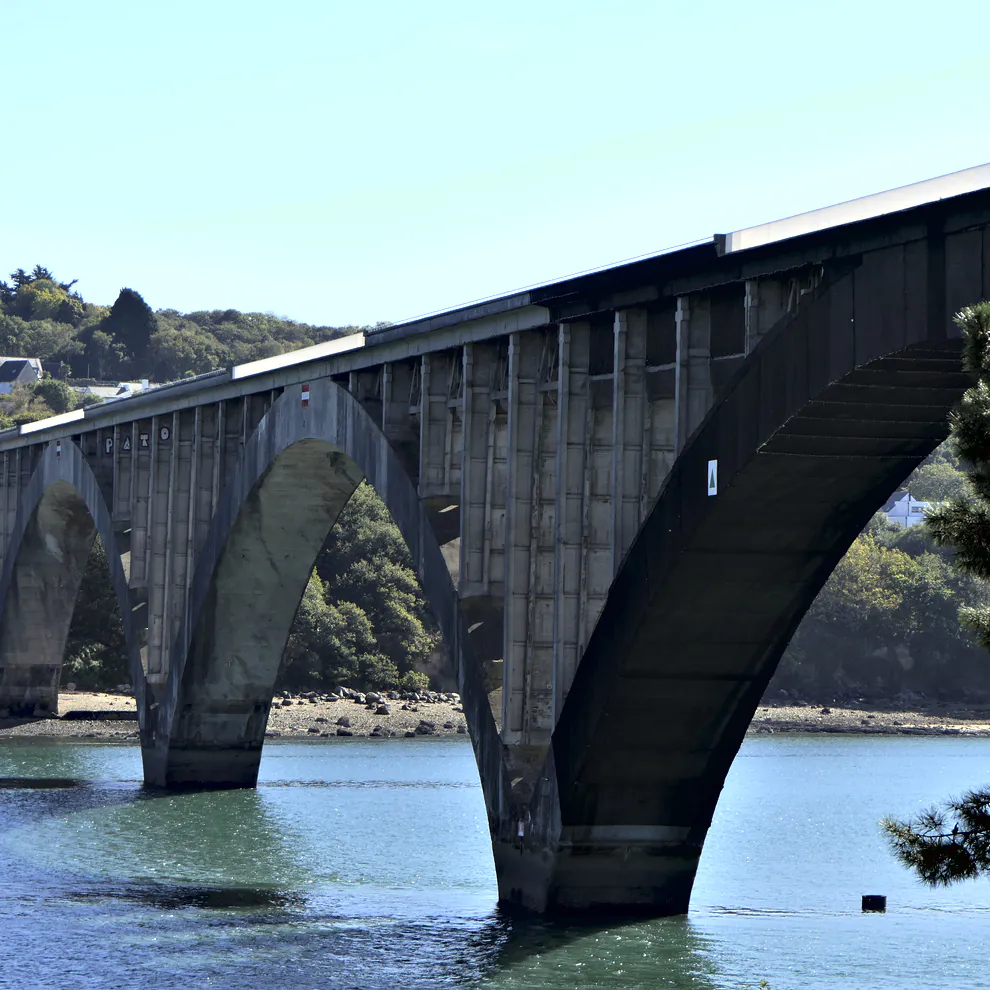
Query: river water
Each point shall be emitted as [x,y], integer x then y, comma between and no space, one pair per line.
[366,863]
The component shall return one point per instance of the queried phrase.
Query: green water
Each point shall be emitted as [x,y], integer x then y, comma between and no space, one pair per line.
[366,864]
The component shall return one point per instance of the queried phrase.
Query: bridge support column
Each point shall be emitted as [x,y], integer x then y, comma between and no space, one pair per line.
[41,583]
[598,875]
[213,749]
[546,866]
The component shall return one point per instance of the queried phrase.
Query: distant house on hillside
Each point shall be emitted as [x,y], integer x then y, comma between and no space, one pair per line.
[18,371]
[110,390]
[903,509]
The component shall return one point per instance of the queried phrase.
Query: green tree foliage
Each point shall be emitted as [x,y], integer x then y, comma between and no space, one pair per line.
[58,396]
[939,854]
[96,653]
[964,523]
[362,619]
[130,323]
[45,318]
[941,477]
[23,405]
[887,621]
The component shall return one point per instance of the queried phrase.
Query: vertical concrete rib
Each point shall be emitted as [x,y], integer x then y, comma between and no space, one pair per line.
[193,504]
[496,540]
[628,429]
[596,559]
[520,464]
[540,716]
[217,457]
[766,302]
[478,373]
[693,381]
[569,518]
[167,593]
[434,424]
[5,511]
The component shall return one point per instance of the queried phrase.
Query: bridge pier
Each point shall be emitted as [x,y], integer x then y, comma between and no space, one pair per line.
[607,871]
[28,689]
[202,766]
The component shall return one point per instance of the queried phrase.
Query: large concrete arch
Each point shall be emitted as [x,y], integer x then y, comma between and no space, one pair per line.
[295,475]
[59,515]
[830,413]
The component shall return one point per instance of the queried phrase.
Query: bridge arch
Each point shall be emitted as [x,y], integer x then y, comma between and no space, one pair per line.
[834,409]
[299,468]
[59,515]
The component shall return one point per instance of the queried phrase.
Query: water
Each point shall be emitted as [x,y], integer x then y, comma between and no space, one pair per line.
[366,864]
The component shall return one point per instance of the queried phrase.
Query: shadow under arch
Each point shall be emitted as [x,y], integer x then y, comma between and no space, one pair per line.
[301,465]
[59,515]
[828,416]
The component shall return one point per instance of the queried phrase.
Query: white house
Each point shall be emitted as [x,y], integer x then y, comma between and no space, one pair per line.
[903,509]
[18,371]
[111,390]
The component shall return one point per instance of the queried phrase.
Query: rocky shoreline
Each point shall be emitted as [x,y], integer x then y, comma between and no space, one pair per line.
[911,718]
[418,715]
[311,715]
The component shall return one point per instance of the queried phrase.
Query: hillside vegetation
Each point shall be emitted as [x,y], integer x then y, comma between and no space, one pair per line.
[362,619]
[885,623]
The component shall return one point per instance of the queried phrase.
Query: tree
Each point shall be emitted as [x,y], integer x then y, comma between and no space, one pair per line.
[96,651]
[939,482]
[964,524]
[58,396]
[131,323]
[941,855]
[362,619]
[937,853]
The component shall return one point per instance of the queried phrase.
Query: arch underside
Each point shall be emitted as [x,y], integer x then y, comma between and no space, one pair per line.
[230,667]
[61,513]
[714,587]
[207,723]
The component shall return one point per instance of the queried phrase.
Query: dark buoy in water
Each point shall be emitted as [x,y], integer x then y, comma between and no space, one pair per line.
[874,902]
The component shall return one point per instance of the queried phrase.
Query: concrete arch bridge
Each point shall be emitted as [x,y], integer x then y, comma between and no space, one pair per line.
[623,488]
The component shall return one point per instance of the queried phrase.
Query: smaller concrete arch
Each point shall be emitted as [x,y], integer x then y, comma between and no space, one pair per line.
[59,515]
[296,473]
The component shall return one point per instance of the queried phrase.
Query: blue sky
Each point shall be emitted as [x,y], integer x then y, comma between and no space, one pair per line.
[347,163]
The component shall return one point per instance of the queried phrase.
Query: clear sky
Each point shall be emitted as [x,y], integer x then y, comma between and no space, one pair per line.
[348,163]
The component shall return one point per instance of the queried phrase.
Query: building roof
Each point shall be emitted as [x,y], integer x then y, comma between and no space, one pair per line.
[898,497]
[11,368]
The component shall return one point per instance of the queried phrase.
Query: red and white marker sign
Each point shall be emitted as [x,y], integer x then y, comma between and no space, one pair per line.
[58,448]
[305,394]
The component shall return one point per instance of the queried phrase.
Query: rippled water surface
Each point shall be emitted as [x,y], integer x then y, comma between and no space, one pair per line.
[365,864]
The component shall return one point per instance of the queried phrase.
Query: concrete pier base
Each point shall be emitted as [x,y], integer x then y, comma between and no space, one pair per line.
[202,767]
[598,876]
[29,689]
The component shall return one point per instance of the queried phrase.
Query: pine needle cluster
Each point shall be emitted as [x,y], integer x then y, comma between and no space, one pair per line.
[943,846]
